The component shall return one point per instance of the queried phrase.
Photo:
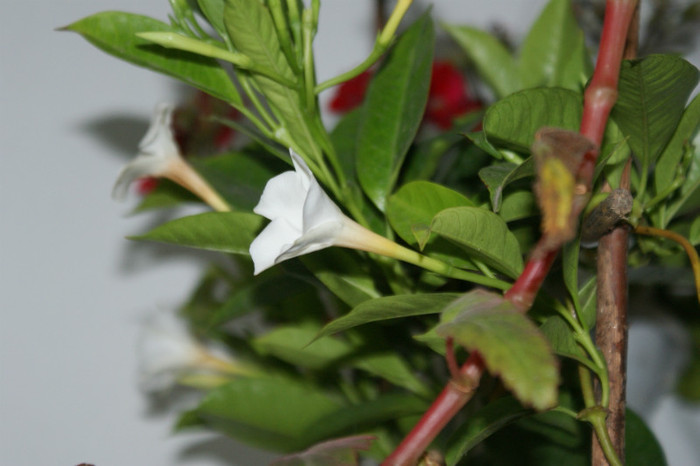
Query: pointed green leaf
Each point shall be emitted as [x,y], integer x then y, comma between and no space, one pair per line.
[513,121]
[230,232]
[498,176]
[492,60]
[415,205]
[389,307]
[390,366]
[269,412]
[214,12]
[554,52]
[481,425]
[511,345]
[483,235]
[393,110]
[166,194]
[652,93]
[666,168]
[115,33]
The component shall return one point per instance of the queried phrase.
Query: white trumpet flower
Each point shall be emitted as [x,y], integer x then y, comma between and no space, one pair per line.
[304,219]
[168,352]
[159,156]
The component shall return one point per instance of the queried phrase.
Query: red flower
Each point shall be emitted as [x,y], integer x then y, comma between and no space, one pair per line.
[146,184]
[448,97]
[350,94]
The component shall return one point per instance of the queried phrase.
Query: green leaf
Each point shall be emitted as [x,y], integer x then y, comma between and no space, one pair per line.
[415,205]
[561,337]
[214,13]
[652,93]
[393,110]
[481,425]
[498,176]
[492,60]
[518,205]
[252,31]
[343,274]
[513,121]
[344,139]
[230,232]
[554,53]
[483,234]
[390,366]
[270,413]
[641,446]
[367,415]
[291,344]
[238,177]
[666,169]
[389,307]
[587,299]
[511,345]
[115,33]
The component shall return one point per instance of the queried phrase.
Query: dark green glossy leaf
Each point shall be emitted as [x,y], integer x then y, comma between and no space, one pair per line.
[641,446]
[115,33]
[498,176]
[389,307]
[416,203]
[269,412]
[481,425]
[390,366]
[230,232]
[513,121]
[393,110]
[554,53]
[511,345]
[483,234]
[493,61]
[652,93]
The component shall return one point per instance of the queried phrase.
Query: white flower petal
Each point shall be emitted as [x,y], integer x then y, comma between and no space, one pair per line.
[167,350]
[157,150]
[271,243]
[303,220]
[283,196]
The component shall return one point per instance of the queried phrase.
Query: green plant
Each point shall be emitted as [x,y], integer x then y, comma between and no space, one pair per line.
[370,281]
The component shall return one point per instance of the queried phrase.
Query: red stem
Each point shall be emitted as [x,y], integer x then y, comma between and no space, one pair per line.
[450,401]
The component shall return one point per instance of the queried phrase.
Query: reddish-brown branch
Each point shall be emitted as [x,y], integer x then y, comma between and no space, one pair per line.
[450,401]
[611,313]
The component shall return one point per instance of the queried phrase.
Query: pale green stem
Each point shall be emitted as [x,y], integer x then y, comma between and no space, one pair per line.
[282,28]
[358,237]
[380,46]
[259,107]
[188,44]
[295,26]
[309,68]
